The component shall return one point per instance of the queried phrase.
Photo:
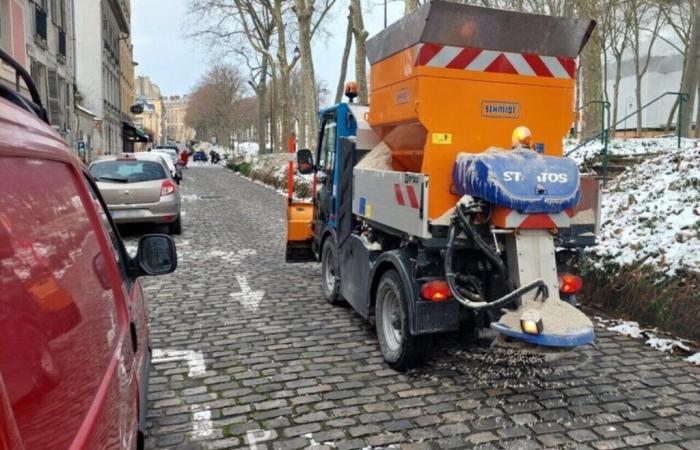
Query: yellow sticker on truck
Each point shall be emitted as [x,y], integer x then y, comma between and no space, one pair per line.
[442,138]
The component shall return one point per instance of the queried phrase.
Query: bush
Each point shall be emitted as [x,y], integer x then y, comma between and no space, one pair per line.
[231,165]
[643,295]
[243,168]
[302,190]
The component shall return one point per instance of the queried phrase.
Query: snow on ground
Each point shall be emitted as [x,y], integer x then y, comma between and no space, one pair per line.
[632,329]
[623,147]
[695,359]
[651,214]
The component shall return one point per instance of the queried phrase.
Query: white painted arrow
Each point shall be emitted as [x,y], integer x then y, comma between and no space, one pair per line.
[249,299]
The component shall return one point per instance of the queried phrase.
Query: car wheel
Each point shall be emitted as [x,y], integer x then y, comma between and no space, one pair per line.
[329,273]
[176,227]
[400,349]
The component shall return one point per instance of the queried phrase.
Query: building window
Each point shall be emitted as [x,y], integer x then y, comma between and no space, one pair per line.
[61,43]
[38,72]
[40,23]
[54,103]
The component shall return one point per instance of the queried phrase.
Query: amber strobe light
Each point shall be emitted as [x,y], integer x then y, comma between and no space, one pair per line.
[436,291]
[522,137]
[570,284]
[351,90]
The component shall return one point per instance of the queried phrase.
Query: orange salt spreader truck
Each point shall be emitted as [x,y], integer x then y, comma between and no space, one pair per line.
[447,204]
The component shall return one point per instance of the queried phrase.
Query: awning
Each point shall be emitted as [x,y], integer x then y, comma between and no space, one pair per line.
[132,133]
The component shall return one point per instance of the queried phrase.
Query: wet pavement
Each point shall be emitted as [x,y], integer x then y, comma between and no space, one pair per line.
[247,354]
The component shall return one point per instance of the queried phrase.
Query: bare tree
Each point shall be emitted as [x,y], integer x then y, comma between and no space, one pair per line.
[212,105]
[344,61]
[645,19]
[591,72]
[358,29]
[689,83]
[304,9]
[616,32]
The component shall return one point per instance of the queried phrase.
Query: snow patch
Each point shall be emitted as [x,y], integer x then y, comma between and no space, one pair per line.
[632,329]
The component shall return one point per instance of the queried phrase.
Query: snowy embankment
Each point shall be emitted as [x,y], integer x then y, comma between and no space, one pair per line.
[268,170]
[651,213]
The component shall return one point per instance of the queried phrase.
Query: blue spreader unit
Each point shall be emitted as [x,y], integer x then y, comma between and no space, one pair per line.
[579,337]
[522,180]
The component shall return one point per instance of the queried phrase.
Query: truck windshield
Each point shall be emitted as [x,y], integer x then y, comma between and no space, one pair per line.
[127,171]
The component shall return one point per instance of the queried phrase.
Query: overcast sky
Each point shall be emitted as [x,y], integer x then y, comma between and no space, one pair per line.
[174,62]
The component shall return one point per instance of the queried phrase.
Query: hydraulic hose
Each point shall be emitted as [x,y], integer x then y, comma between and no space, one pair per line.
[471,300]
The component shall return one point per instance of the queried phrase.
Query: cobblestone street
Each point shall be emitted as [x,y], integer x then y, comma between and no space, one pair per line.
[247,354]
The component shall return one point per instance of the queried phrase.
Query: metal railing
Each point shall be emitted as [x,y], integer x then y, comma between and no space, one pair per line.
[604,134]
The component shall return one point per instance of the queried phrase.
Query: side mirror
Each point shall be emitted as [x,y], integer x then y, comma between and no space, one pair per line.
[305,161]
[156,255]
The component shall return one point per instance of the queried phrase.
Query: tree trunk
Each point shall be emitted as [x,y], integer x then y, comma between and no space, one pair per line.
[638,100]
[344,62]
[616,93]
[309,101]
[284,81]
[358,28]
[689,82]
[591,74]
[261,97]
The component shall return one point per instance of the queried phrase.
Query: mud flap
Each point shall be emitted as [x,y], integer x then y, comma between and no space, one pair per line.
[299,233]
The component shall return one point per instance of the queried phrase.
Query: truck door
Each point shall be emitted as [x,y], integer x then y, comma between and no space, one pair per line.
[324,213]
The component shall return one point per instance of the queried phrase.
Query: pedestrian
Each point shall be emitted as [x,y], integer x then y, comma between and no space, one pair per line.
[184,158]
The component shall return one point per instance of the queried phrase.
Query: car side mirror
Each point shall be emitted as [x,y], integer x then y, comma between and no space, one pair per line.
[305,161]
[156,255]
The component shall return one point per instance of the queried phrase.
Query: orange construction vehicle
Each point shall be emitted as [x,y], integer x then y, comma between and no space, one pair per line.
[440,205]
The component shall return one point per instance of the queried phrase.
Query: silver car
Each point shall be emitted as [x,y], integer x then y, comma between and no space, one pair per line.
[138,188]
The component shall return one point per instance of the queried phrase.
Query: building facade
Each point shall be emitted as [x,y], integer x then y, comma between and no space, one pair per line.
[152,120]
[175,111]
[102,25]
[39,35]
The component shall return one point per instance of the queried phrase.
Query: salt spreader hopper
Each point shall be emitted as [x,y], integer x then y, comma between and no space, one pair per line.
[440,205]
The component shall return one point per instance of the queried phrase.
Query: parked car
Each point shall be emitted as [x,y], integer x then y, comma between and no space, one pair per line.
[74,347]
[201,156]
[173,160]
[139,188]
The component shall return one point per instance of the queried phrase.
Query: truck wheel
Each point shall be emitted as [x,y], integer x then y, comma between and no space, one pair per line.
[329,273]
[400,349]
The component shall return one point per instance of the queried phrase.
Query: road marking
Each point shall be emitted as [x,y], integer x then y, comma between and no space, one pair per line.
[248,298]
[194,360]
[202,426]
[256,436]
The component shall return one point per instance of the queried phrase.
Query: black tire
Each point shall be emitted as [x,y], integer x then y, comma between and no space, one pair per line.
[176,227]
[330,284]
[400,349]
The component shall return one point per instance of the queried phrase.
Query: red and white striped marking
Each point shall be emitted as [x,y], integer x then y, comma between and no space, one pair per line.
[410,195]
[478,60]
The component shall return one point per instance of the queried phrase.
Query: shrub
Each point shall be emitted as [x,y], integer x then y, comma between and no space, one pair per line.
[243,168]
[302,190]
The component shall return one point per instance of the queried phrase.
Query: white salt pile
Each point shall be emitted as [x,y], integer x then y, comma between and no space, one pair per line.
[379,158]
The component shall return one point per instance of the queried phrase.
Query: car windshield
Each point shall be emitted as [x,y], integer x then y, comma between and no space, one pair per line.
[127,171]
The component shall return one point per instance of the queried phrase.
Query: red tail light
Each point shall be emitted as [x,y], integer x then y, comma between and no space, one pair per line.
[167,188]
[570,284]
[436,291]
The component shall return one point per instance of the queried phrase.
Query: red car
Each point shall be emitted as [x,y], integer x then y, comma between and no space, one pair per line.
[74,348]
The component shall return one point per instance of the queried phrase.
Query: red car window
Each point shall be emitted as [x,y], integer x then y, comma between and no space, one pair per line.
[59,321]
